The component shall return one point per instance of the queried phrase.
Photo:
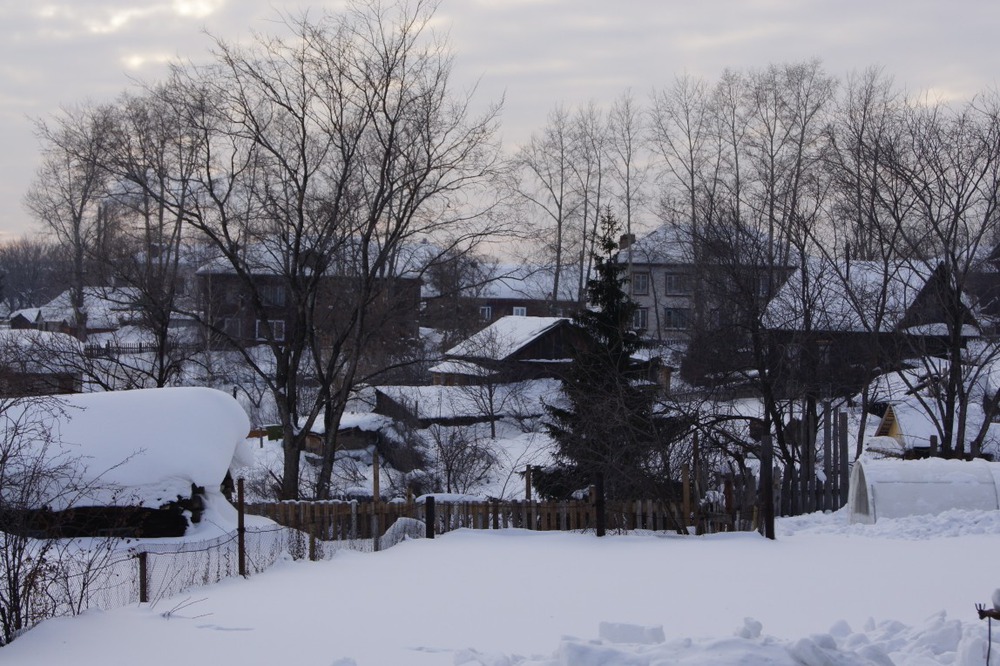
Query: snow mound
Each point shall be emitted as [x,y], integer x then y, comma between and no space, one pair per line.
[403,529]
[951,523]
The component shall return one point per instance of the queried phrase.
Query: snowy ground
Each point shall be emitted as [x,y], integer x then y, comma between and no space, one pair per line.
[825,592]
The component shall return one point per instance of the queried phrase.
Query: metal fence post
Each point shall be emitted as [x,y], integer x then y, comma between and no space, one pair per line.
[241,539]
[429,517]
[143,579]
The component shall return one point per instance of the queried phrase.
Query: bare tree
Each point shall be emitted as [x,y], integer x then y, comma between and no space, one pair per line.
[589,164]
[463,460]
[319,159]
[32,272]
[37,473]
[548,184]
[949,163]
[629,157]
[68,195]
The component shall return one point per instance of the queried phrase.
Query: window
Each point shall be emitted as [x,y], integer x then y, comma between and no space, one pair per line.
[676,283]
[676,318]
[640,319]
[520,311]
[823,348]
[277,328]
[485,312]
[231,326]
[272,295]
[640,284]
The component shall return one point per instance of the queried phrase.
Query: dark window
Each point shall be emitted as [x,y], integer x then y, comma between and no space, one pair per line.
[485,312]
[520,311]
[231,326]
[676,283]
[676,318]
[640,319]
[640,284]
[277,327]
[272,295]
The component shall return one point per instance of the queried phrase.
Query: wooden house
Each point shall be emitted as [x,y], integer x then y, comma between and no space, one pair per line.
[512,348]
[832,327]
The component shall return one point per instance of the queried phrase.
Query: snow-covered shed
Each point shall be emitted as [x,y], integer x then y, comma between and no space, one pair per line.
[154,456]
[897,488]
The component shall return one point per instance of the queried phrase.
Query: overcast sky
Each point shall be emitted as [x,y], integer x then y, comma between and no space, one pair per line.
[536,52]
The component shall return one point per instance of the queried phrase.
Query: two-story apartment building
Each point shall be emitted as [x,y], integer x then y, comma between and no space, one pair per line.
[660,271]
[234,316]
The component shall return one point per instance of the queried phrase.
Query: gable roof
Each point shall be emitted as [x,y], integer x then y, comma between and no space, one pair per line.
[44,352]
[505,337]
[667,244]
[917,421]
[106,307]
[435,403]
[271,258]
[854,296]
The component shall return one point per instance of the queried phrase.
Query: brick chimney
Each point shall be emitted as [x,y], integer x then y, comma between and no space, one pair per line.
[625,242]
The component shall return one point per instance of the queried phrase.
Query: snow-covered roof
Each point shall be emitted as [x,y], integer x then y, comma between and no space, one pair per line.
[504,337]
[856,296]
[460,368]
[366,421]
[106,307]
[918,420]
[533,282]
[443,402]
[143,447]
[408,261]
[29,350]
[517,282]
[667,244]
[30,314]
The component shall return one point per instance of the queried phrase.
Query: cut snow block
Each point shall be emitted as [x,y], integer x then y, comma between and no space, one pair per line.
[898,488]
[615,632]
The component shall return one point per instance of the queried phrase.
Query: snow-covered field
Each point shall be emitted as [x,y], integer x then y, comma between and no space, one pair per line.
[825,592]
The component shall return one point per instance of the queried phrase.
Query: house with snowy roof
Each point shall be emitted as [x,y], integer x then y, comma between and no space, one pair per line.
[479,292]
[105,309]
[228,300]
[833,324]
[512,348]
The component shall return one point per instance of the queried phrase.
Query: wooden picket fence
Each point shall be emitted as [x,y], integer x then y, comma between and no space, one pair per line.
[338,520]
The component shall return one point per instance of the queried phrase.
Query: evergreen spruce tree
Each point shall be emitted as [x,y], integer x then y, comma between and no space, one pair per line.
[606,434]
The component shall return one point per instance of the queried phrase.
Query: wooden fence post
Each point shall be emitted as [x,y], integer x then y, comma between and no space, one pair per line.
[429,517]
[143,579]
[601,518]
[827,462]
[686,486]
[767,486]
[241,542]
[844,476]
[527,482]
[376,492]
